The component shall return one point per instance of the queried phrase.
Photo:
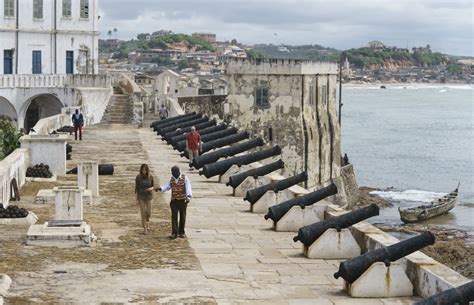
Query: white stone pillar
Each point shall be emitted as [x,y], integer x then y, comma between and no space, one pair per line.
[50,150]
[68,203]
[88,176]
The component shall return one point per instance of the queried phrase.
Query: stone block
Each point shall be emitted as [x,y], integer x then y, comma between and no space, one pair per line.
[233,170]
[380,281]
[250,183]
[297,217]
[25,221]
[49,197]
[50,150]
[54,178]
[42,235]
[88,176]
[269,199]
[5,282]
[333,245]
[68,203]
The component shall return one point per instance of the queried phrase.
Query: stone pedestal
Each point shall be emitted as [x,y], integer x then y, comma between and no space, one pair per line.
[49,197]
[250,183]
[333,245]
[380,281]
[297,217]
[88,176]
[68,228]
[233,170]
[5,282]
[50,150]
[269,199]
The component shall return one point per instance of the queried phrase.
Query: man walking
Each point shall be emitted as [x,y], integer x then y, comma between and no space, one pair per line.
[181,195]
[78,122]
[193,145]
[163,112]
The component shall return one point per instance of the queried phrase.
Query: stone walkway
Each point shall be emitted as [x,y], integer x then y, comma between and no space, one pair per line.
[231,256]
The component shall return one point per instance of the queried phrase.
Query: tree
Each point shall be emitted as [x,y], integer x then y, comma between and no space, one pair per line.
[234,42]
[115,32]
[109,33]
[9,138]
[142,36]
[254,54]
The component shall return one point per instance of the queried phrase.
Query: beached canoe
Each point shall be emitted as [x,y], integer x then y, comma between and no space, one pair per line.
[437,207]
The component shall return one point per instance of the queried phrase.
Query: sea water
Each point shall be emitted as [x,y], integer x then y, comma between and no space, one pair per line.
[415,142]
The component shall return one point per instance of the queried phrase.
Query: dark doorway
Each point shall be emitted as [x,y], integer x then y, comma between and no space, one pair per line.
[32,115]
[69,62]
[8,62]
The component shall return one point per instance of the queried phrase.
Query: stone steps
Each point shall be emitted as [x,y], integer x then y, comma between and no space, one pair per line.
[119,110]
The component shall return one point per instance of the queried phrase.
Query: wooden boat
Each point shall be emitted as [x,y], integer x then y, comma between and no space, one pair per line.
[437,207]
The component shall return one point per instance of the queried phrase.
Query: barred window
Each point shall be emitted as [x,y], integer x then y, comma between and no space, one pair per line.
[311,94]
[8,8]
[38,9]
[261,97]
[324,95]
[67,12]
[85,9]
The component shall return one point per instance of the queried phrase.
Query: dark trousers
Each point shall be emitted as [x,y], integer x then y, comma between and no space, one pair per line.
[178,206]
[78,128]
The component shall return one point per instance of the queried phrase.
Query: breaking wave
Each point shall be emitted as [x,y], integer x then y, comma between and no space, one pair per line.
[442,88]
[408,195]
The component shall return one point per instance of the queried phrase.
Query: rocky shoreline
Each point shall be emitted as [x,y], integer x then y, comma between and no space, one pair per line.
[452,248]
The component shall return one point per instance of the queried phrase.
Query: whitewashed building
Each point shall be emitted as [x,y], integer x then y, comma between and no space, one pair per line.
[49,36]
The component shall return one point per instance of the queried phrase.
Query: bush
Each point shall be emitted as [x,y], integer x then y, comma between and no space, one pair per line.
[9,138]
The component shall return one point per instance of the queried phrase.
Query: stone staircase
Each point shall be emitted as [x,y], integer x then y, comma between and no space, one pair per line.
[119,110]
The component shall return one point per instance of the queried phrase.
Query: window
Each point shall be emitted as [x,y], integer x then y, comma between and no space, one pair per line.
[311,94]
[36,67]
[85,9]
[261,97]
[7,61]
[69,62]
[67,12]
[9,8]
[324,95]
[38,9]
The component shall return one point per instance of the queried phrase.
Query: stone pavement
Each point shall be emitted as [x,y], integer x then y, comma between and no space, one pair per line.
[242,258]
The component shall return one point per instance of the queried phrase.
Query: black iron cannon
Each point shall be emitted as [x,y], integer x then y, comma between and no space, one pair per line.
[181,146]
[220,167]
[161,122]
[182,131]
[461,295]
[204,131]
[254,195]
[308,234]
[233,150]
[221,142]
[236,180]
[159,127]
[183,125]
[351,269]
[276,212]
[104,170]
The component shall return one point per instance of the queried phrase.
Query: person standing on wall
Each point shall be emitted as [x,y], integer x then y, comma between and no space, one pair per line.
[181,195]
[193,145]
[163,112]
[144,186]
[78,122]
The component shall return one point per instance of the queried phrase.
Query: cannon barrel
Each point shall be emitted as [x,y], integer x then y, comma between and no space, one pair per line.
[220,167]
[203,131]
[159,127]
[181,146]
[255,194]
[351,269]
[308,234]
[183,125]
[276,212]
[458,295]
[221,142]
[237,179]
[182,131]
[233,150]
[161,122]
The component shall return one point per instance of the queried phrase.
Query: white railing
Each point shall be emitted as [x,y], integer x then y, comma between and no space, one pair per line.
[48,125]
[54,81]
[13,166]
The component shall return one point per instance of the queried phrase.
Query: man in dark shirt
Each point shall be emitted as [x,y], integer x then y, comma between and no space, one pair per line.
[78,122]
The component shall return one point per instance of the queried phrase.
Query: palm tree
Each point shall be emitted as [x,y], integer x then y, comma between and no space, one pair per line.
[109,33]
[115,32]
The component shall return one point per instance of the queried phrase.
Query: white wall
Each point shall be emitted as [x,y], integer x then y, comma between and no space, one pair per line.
[13,166]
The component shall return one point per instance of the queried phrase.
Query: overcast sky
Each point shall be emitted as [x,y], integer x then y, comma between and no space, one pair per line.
[447,25]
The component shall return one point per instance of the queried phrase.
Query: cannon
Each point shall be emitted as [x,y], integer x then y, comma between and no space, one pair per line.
[182,131]
[308,234]
[183,125]
[236,180]
[104,170]
[220,167]
[221,142]
[181,146]
[254,195]
[276,212]
[352,269]
[161,122]
[159,127]
[460,295]
[203,131]
[233,150]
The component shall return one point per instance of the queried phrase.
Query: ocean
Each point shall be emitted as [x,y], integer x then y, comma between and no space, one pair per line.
[415,142]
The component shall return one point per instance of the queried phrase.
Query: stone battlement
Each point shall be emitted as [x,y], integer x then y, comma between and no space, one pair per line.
[279,67]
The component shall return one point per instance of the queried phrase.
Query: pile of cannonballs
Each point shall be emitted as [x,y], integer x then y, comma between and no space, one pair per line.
[69,129]
[39,171]
[12,211]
